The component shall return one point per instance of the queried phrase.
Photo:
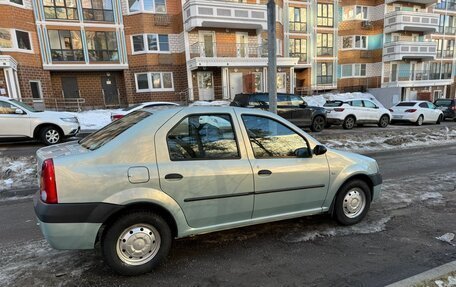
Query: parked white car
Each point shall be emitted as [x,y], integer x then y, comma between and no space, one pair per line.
[121,113]
[356,111]
[18,120]
[417,112]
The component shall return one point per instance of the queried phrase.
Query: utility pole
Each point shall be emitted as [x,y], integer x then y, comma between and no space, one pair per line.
[272,57]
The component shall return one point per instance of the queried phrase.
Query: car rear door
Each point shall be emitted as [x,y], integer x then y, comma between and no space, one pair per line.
[12,124]
[204,167]
[284,183]
[372,111]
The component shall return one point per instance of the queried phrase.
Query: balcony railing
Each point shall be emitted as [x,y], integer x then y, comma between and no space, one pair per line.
[325,51]
[446,5]
[411,21]
[302,57]
[239,50]
[401,50]
[418,75]
[445,53]
[300,27]
[447,30]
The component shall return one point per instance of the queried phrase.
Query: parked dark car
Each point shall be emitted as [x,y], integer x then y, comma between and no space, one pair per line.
[448,107]
[290,107]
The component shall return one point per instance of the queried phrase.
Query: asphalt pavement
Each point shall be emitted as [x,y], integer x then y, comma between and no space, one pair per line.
[396,240]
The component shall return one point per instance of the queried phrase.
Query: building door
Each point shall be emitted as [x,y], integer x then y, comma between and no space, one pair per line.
[110,93]
[70,87]
[205,86]
[393,72]
[412,71]
[236,84]
[208,39]
[242,41]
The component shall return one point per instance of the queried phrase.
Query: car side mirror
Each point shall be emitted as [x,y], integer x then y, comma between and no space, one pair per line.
[19,112]
[319,150]
[302,152]
[303,105]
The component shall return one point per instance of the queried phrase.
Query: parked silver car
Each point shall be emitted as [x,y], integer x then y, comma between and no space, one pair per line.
[167,173]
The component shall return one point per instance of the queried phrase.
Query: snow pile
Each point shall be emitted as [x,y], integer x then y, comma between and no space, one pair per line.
[210,103]
[17,173]
[315,101]
[95,119]
[447,237]
[320,100]
[450,281]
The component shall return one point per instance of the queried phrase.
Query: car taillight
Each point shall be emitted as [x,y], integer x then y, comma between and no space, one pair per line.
[391,110]
[453,108]
[48,188]
[116,117]
[339,109]
[410,111]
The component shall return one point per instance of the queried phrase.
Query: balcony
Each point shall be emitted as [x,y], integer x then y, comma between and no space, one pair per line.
[397,51]
[302,57]
[224,14]
[445,54]
[411,21]
[419,78]
[422,2]
[447,30]
[232,55]
[446,5]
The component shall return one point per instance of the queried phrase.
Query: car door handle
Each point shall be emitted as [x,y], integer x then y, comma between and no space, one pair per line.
[174,176]
[264,172]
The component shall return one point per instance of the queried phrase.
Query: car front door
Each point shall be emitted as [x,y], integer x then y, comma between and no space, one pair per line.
[435,113]
[11,123]
[359,111]
[284,183]
[302,114]
[204,167]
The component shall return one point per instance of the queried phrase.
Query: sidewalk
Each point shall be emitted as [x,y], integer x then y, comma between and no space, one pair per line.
[442,276]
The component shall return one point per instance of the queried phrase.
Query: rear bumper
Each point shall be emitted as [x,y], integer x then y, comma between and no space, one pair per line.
[407,118]
[72,225]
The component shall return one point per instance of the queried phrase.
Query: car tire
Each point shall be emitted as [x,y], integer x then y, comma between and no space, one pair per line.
[119,238]
[349,122]
[318,124]
[50,135]
[384,121]
[439,120]
[419,121]
[352,202]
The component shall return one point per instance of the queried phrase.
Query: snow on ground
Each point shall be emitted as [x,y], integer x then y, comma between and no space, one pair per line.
[94,119]
[17,172]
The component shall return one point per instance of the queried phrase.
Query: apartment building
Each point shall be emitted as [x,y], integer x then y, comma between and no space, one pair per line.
[102,53]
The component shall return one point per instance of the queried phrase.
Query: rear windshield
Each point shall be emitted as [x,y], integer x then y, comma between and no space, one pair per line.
[406,104]
[333,104]
[109,132]
[443,103]
[130,107]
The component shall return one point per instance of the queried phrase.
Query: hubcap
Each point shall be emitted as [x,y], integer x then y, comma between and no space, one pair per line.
[354,203]
[52,136]
[318,123]
[350,122]
[138,244]
[420,120]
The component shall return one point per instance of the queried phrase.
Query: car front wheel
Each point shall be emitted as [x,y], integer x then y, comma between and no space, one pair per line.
[352,202]
[50,135]
[318,124]
[136,243]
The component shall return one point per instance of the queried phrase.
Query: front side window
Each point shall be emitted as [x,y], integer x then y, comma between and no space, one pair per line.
[66,45]
[271,139]
[102,46]
[98,10]
[154,82]
[153,6]
[7,108]
[60,9]
[203,137]
[325,15]
[369,104]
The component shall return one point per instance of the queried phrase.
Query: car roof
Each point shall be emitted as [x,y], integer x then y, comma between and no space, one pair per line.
[162,111]
[158,103]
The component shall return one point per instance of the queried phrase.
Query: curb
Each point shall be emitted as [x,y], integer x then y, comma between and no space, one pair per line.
[18,192]
[427,275]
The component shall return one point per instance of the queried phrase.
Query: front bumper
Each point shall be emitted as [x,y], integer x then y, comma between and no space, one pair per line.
[72,225]
[70,129]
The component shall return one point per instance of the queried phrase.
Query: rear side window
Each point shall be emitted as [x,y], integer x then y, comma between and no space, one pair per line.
[331,104]
[443,103]
[203,137]
[423,105]
[406,104]
[108,133]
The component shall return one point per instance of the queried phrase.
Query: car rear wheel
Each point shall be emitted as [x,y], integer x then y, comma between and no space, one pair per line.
[420,120]
[384,121]
[50,135]
[318,124]
[136,243]
[349,123]
[352,202]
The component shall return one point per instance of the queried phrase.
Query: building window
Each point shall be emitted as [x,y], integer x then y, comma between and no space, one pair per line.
[298,49]
[297,19]
[102,46]
[60,9]
[354,42]
[153,6]
[282,82]
[325,15]
[355,12]
[66,45]
[258,81]
[353,70]
[18,2]
[361,12]
[35,87]
[11,39]
[361,42]
[324,73]
[154,82]
[98,10]
[150,43]
[325,45]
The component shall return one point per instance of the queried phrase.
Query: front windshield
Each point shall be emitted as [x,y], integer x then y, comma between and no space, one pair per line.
[111,131]
[24,106]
